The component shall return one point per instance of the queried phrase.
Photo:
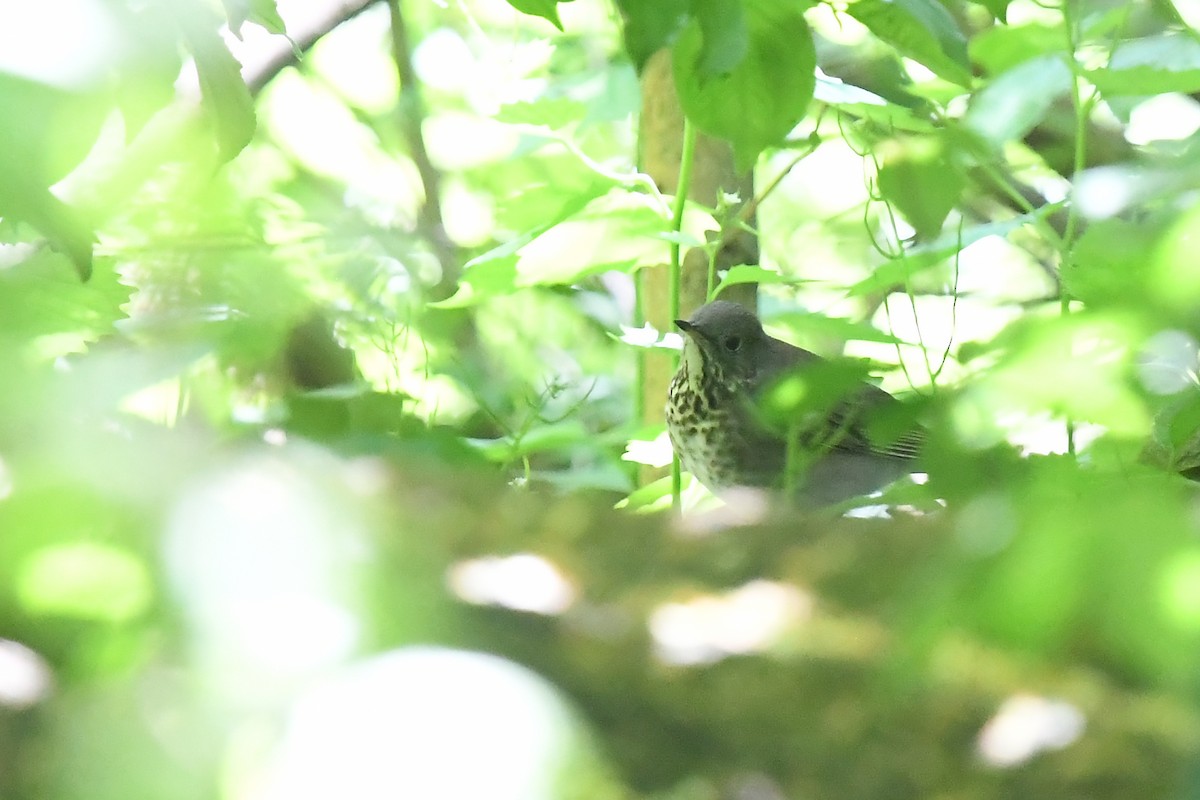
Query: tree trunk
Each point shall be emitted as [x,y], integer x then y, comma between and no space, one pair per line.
[713,174]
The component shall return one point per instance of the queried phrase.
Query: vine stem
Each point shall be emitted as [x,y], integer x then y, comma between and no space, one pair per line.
[1082,108]
[682,187]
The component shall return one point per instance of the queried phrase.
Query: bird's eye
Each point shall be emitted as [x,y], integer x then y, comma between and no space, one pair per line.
[733,343]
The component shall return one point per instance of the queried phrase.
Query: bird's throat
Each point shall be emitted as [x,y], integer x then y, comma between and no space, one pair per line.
[691,364]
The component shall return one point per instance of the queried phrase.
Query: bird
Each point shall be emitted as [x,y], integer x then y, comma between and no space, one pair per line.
[722,438]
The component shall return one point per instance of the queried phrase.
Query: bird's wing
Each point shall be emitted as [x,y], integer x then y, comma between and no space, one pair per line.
[846,429]
[843,429]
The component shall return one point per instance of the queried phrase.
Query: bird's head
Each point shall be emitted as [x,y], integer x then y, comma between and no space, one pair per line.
[723,338]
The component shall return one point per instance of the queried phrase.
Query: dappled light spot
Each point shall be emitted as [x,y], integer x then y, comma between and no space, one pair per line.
[986,524]
[870,511]
[6,482]
[275,436]
[1167,362]
[86,580]
[649,336]
[1165,117]
[1103,192]
[260,554]
[1026,725]
[64,43]
[24,675]
[422,723]
[745,620]
[654,453]
[522,582]
[740,506]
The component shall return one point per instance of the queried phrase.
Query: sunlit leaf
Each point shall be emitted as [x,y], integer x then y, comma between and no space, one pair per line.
[546,9]
[1010,106]
[748,273]
[552,112]
[616,231]
[225,95]
[765,95]
[1000,48]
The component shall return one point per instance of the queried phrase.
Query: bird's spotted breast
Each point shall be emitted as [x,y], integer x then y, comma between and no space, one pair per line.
[698,423]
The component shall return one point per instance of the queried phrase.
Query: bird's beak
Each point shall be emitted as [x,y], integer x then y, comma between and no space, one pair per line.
[685,326]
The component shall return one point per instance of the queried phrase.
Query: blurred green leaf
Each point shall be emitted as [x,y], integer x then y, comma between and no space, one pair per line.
[614,232]
[539,438]
[999,8]
[1001,48]
[748,273]
[649,27]
[1016,101]
[86,580]
[922,30]
[1108,266]
[917,177]
[799,398]
[225,95]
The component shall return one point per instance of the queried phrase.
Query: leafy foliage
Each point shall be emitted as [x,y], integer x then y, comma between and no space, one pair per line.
[308,489]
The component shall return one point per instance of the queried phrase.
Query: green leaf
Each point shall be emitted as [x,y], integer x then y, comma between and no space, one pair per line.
[86,580]
[866,105]
[1168,62]
[41,296]
[36,206]
[765,95]
[260,12]
[746,273]
[546,9]
[1108,265]
[224,93]
[650,26]
[615,232]
[488,279]
[922,30]
[1010,106]
[999,49]
[917,177]
[724,36]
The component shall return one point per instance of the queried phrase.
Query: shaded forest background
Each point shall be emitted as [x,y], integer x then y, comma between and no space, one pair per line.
[333,335]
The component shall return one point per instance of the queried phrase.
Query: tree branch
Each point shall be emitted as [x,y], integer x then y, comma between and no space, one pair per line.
[412,116]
